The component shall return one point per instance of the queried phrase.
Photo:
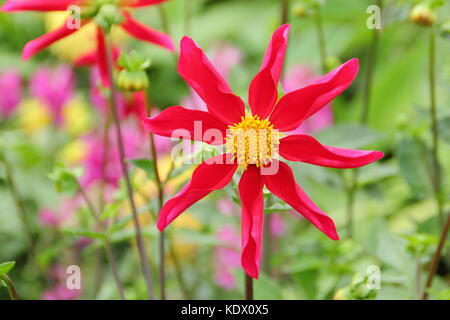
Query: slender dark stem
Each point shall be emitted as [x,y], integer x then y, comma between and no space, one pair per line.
[371,62]
[187,17]
[368,84]
[434,124]
[114,111]
[418,276]
[248,287]
[106,242]
[436,258]
[179,273]
[159,186]
[11,288]
[284,11]
[321,39]
[17,199]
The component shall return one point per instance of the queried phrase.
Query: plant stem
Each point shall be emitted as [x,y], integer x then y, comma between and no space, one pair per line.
[187,17]
[367,94]
[434,124]
[436,258]
[11,288]
[17,200]
[248,287]
[321,39]
[115,115]
[284,11]
[418,276]
[160,190]
[106,242]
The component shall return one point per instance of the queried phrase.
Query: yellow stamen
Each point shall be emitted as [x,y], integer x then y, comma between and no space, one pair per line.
[252,141]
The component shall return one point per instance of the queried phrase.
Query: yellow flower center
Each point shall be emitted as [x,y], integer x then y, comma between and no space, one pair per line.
[252,141]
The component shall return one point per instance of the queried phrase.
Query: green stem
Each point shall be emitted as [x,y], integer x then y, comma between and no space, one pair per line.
[159,186]
[106,242]
[115,115]
[17,199]
[187,17]
[248,287]
[284,11]
[321,38]
[418,277]
[367,93]
[434,124]
[436,258]
[11,288]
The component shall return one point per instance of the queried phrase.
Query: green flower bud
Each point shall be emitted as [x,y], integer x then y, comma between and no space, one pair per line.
[132,80]
[423,15]
[107,16]
[445,29]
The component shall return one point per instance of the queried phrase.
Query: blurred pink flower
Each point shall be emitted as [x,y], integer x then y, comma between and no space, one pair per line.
[10,92]
[228,207]
[277,225]
[54,87]
[61,292]
[297,77]
[56,218]
[227,257]
[97,94]
[105,164]
[224,58]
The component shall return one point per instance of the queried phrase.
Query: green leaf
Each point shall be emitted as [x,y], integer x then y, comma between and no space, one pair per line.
[6,267]
[146,165]
[66,179]
[84,233]
[111,210]
[411,160]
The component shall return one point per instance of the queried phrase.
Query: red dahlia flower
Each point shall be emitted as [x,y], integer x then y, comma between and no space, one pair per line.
[251,151]
[89,9]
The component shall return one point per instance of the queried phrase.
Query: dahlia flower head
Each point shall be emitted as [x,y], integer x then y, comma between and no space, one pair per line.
[253,140]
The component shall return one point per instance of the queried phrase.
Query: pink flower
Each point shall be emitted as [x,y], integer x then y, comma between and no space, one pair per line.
[54,88]
[61,292]
[227,207]
[10,92]
[105,164]
[277,225]
[227,257]
[298,77]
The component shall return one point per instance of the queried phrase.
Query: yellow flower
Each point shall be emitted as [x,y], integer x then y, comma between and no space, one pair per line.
[77,118]
[34,115]
[81,42]
[74,152]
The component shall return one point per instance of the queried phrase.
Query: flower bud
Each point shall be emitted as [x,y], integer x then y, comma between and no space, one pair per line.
[132,80]
[445,29]
[423,15]
[300,10]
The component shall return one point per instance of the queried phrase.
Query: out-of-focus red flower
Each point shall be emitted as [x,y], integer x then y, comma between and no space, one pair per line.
[300,76]
[10,92]
[226,116]
[88,10]
[54,87]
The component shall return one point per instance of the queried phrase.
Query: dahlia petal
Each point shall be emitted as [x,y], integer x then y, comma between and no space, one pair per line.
[87,59]
[213,174]
[179,122]
[38,44]
[200,74]
[283,185]
[297,106]
[38,5]
[145,33]
[250,192]
[305,148]
[102,57]
[263,91]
